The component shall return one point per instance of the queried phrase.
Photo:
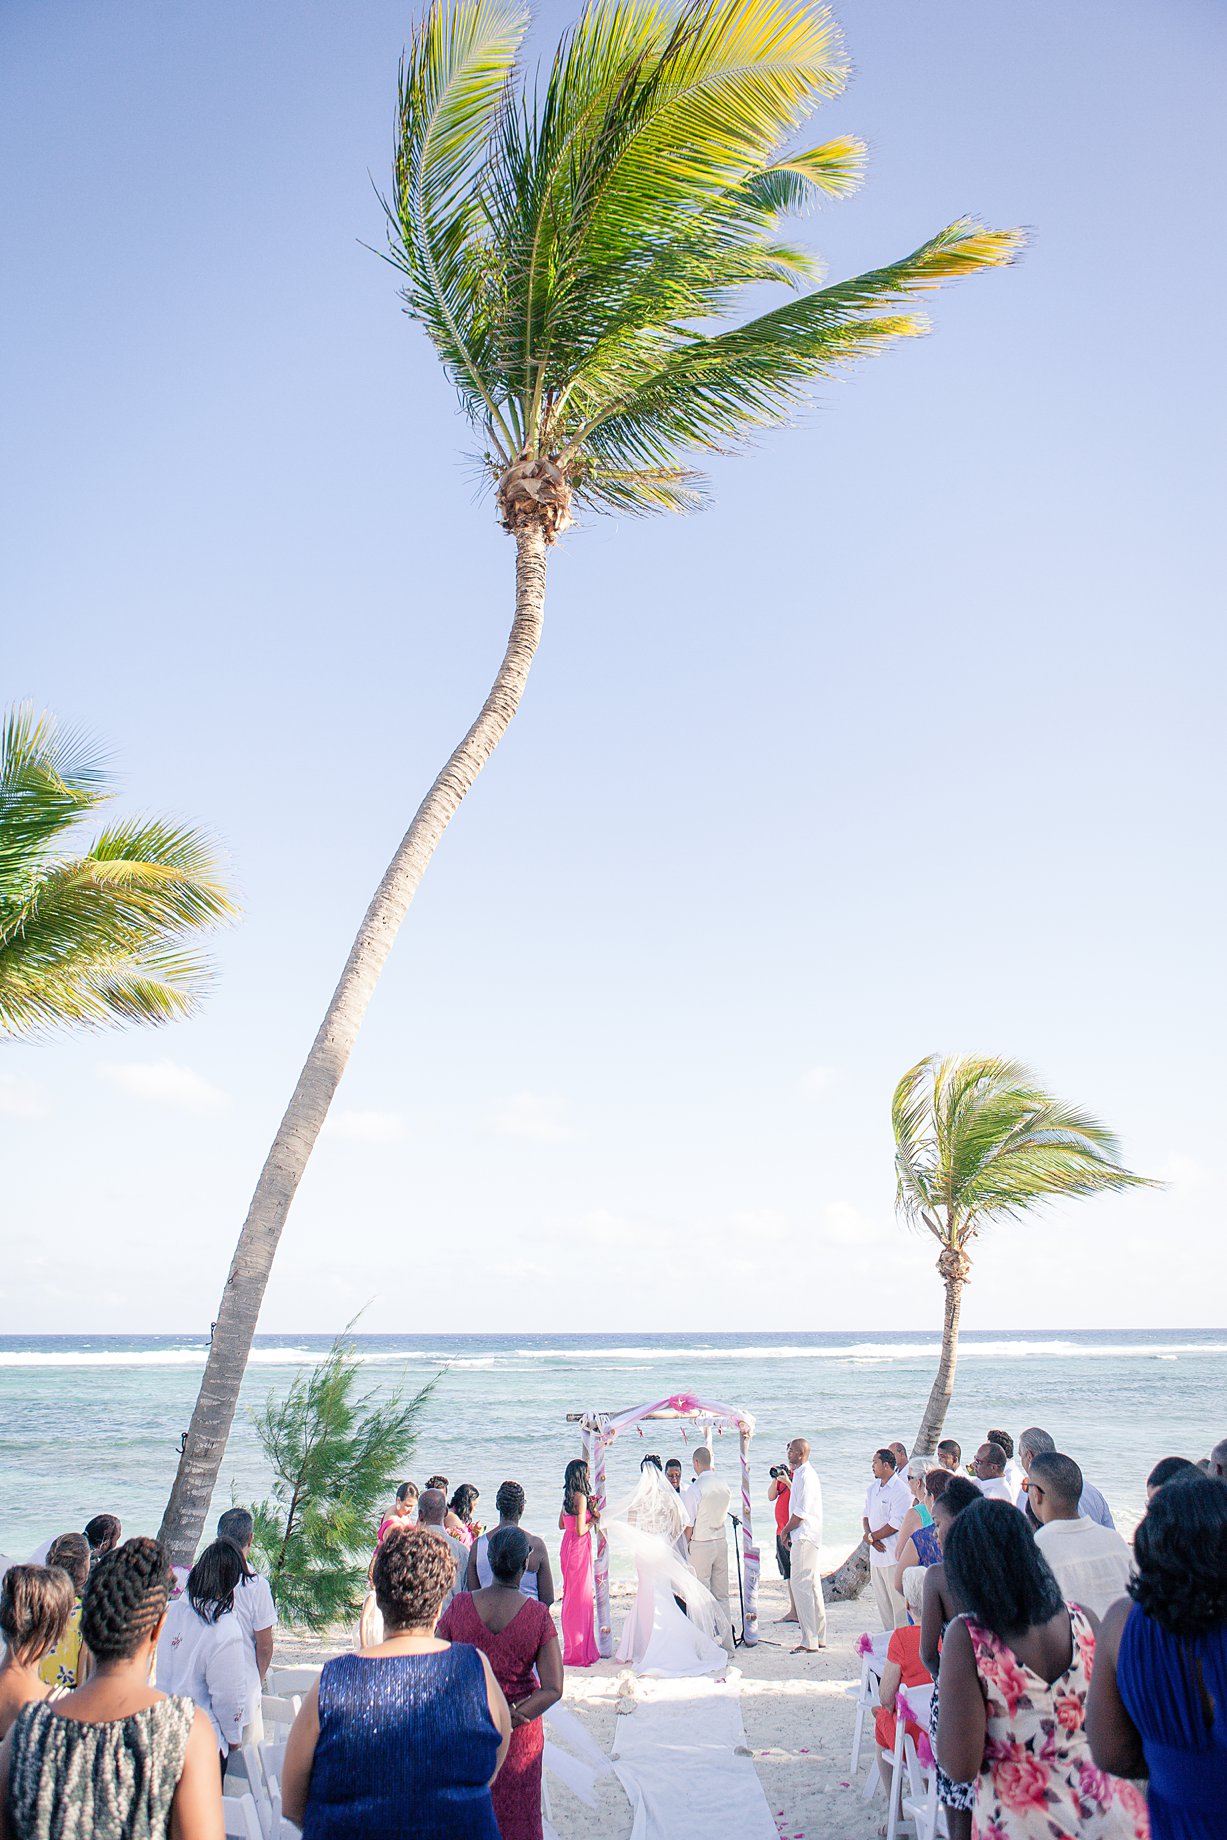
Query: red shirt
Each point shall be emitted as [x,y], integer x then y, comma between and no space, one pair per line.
[782,1509]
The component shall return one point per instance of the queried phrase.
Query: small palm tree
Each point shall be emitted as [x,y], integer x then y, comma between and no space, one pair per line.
[570,250]
[978,1141]
[93,933]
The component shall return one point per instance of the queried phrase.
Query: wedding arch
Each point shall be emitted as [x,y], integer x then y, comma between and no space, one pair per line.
[600,1429]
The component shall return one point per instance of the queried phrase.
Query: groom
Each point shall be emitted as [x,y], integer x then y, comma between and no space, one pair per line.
[706,1503]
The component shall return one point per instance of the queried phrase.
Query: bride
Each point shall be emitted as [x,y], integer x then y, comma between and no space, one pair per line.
[659,1637]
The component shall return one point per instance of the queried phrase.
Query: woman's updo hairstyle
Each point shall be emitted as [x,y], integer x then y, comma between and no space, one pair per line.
[126,1595]
[510,1500]
[464,1501]
[412,1574]
[1180,1551]
[35,1604]
[71,1553]
[508,1550]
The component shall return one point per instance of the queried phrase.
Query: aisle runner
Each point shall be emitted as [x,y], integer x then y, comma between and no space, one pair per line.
[681,1757]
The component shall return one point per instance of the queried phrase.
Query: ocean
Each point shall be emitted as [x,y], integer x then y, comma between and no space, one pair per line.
[92,1423]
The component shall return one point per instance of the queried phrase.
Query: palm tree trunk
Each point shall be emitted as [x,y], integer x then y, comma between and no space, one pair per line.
[943,1386]
[204,1442]
[848,1580]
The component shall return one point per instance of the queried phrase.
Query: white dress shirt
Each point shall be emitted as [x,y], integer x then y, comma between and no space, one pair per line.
[205,1662]
[1091,1563]
[995,1488]
[254,1607]
[886,1503]
[806,1503]
[711,1504]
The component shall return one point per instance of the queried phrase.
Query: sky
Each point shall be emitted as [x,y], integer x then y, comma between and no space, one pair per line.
[912,742]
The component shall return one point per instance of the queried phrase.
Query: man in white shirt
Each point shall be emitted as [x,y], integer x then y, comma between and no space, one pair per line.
[706,1504]
[886,1503]
[803,1533]
[432,1506]
[1013,1472]
[256,1615]
[988,1466]
[1090,1563]
[1035,1442]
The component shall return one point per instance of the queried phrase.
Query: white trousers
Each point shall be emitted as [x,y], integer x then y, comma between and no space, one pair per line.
[709,1561]
[806,1582]
[891,1607]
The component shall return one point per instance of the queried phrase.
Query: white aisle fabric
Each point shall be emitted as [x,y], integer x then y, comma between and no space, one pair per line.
[681,1756]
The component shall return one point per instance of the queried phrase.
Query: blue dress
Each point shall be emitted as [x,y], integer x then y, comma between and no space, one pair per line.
[1158,1677]
[406,1747]
[928,1550]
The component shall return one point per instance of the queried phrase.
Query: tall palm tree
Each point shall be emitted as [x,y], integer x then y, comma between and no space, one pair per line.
[978,1141]
[93,933]
[570,249]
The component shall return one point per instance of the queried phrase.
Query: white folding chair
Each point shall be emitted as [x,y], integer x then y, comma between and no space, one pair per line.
[865,1698]
[921,1807]
[242,1821]
[292,1679]
[280,1711]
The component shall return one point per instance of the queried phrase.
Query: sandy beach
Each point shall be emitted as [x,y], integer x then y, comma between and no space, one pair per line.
[797,1717]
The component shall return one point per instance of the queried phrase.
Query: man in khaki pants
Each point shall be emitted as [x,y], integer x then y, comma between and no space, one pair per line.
[706,1505]
[803,1532]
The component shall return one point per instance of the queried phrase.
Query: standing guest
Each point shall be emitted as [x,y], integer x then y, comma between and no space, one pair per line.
[1169,1469]
[938,1610]
[576,1521]
[917,1514]
[988,1467]
[886,1503]
[407,1736]
[518,1639]
[36,1602]
[460,1520]
[115,1759]
[1158,1705]
[950,1454]
[1013,1470]
[202,1650]
[707,1505]
[900,1454]
[803,1535]
[1218,1461]
[1091,1564]
[432,1516]
[1016,1668]
[779,1493]
[67,1663]
[257,1616]
[104,1533]
[922,1545]
[538,1579]
[1034,1443]
[673,1474]
[403,1511]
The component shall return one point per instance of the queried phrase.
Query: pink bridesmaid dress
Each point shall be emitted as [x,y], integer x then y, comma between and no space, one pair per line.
[579,1647]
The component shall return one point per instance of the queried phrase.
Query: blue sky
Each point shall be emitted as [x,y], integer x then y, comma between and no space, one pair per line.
[913,741]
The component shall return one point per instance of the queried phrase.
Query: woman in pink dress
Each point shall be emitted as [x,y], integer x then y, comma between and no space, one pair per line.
[516,1634]
[578,1517]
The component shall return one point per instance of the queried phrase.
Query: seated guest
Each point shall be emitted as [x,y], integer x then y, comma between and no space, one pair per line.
[1034,1443]
[432,1509]
[904,1668]
[257,1614]
[406,1736]
[1091,1564]
[460,1522]
[1158,1704]
[1016,1668]
[115,1759]
[538,1580]
[988,1466]
[1013,1470]
[103,1533]
[938,1609]
[67,1663]
[1169,1469]
[36,1602]
[202,1652]
[950,1454]
[519,1640]
[923,1545]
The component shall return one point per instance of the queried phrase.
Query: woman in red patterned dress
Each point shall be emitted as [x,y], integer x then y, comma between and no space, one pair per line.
[517,1636]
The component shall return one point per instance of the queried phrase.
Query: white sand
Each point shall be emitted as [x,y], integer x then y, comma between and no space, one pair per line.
[797,1717]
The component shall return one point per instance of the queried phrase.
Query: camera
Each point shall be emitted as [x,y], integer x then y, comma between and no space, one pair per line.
[779,1472]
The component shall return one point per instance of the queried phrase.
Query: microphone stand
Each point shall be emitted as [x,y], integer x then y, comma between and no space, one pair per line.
[739,1641]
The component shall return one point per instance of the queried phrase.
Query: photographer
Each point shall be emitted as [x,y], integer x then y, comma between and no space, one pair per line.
[779,1492]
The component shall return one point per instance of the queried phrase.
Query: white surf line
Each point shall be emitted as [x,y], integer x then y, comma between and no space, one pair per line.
[680,1752]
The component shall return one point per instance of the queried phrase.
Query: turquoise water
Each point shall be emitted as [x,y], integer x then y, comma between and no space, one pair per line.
[92,1423]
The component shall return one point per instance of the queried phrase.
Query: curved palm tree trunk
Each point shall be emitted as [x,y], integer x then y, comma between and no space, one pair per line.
[205,1441]
[943,1386]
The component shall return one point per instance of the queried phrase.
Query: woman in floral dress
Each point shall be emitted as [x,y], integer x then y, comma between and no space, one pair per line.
[1015,1673]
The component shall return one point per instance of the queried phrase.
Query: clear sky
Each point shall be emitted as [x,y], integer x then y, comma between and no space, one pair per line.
[912,742]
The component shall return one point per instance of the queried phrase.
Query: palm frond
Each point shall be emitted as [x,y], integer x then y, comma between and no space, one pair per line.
[797,183]
[49,777]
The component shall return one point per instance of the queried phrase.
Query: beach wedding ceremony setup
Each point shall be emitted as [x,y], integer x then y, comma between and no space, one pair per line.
[611,1226]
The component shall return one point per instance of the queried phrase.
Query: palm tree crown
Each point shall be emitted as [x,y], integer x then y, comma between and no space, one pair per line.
[92,934]
[569,248]
[978,1140]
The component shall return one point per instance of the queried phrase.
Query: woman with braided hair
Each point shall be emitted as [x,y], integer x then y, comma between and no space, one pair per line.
[115,1759]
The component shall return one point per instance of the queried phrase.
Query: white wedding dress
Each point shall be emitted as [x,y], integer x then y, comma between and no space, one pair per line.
[657,1637]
